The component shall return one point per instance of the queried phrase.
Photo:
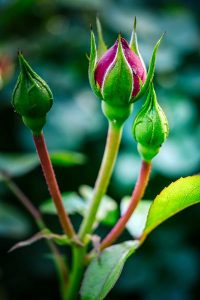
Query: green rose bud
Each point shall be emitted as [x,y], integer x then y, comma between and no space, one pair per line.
[150,127]
[32,97]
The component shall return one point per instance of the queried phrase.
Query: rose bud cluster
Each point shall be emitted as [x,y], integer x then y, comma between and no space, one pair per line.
[118,76]
[32,97]
[150,127]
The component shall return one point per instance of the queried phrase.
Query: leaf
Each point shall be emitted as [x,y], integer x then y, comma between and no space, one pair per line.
[177,196]
[66,158]
[107,212]
[72,203]
[44,234]
[19,164]
[136,223]
[103,271]
[13,223]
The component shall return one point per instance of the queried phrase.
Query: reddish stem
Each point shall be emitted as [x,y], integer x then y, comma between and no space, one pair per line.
[138,193]
[52,184]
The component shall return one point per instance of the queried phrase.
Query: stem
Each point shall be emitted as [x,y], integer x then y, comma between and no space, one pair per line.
[77,272]
[35,213]
[109,158]
[53,185]
[105,172]
[136,196]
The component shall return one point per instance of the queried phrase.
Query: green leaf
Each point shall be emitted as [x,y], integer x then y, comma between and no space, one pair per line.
[19,164]
[66,158]
[72,203]
[103,271]
[107,212]
[177,196]
[13,223]
[136,223]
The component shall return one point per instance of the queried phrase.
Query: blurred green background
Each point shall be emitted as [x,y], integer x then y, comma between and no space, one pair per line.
[54,37]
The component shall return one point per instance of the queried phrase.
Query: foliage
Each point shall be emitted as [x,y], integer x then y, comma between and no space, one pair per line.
[54,37]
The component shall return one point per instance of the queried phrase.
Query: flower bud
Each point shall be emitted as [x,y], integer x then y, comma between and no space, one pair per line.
[32,97]
[150,127]
[118,75]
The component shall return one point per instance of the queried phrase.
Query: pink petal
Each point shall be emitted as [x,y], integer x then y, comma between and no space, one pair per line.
[136,66]
[104,63]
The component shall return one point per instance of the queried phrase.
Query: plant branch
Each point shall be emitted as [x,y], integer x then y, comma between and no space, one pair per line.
[53,185]
[105,172]
[138,193]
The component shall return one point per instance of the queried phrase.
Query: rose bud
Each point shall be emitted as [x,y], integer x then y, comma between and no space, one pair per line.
[119,76]
[150,127]
[32,98]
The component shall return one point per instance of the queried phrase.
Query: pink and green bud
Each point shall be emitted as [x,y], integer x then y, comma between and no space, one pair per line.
[118,73]
[118,76]
[150,127]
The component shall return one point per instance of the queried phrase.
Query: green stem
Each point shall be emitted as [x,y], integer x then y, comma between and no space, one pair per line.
[137,194]
[77,272]
[105,172]
[60,265]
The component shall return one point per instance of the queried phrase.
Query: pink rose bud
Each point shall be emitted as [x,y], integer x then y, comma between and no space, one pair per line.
[108,62]
[118,76]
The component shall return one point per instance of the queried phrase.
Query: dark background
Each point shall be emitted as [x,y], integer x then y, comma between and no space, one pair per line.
[54,37]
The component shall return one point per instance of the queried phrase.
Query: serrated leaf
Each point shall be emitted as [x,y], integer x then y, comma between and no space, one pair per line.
[107,212]
[13,223]
[72,203]
[177,196]
[103,272]
[136,223]
[44,234]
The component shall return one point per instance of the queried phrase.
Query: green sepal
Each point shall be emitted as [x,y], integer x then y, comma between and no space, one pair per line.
[118,82]
[150,73]
[32,97]
[92,66]
[35,124]
[134,43]
[116,114]
[102,48]
[150,127]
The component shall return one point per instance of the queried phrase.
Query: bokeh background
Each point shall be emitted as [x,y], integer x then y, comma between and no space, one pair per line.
[54,37]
